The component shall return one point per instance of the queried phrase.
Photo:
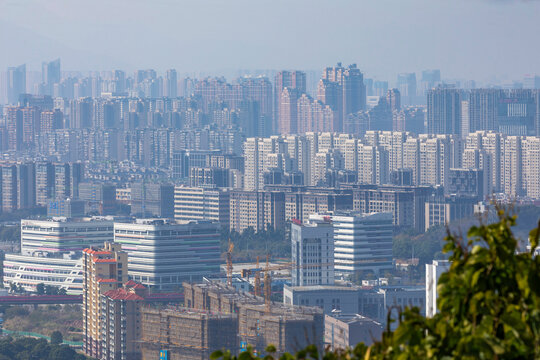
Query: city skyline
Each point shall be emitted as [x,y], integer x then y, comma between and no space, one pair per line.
[392,37]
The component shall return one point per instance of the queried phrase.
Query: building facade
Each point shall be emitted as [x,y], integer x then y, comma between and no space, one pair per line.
[104,270]
[198,203]
[163,254]
[362,242]
[312,253]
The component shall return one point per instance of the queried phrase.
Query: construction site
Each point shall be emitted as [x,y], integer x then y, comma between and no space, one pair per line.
[186,334]
[217,316]
[260,321]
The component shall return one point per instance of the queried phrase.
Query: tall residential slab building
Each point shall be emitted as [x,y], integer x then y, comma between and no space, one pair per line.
[16,83]
[312,253]
[104,270]
[444,111]
[343,89]
[433,272]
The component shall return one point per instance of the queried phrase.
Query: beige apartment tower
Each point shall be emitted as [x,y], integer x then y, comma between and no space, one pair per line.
[104,270]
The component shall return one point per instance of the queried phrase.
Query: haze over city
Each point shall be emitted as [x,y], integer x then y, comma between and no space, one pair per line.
[185,180]
[484,40]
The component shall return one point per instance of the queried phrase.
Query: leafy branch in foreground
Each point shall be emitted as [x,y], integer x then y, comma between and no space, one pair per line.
[489,306]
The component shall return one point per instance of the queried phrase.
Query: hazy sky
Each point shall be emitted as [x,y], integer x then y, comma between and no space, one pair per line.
[475,39]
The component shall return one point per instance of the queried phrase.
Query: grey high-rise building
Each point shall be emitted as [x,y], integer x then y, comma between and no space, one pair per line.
[406,84]
[259,92]
[353,91]
[151,199]
[119,81]
[430,79]
[444,111]
[483,105]
[516,113]
[50,75]
[44,183]
[393,97]
[380,88]
[14,127]
[171,84]
[16,83]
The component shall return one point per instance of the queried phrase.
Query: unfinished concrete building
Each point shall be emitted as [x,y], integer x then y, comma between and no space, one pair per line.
[288,328]
[187,334]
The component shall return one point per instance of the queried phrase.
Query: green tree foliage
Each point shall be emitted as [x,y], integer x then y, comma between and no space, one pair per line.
[10,234]
[250,244]
[489,306]
[56,338]
[40,288]
[30,348]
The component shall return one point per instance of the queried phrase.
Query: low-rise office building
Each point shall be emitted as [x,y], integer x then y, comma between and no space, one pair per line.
[362,242]
[164,253]
[346,331]
[28,271]
[64,235]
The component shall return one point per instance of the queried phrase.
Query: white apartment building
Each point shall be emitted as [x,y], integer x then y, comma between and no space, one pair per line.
[197,203]
[509,162]
[433,272]
[312,253]
[362,242]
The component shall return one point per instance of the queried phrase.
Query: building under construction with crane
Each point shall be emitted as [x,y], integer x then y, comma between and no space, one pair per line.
[261,322]
[186,334]
[216,316]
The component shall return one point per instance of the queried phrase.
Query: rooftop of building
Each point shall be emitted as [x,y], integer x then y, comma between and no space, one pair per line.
[348,214]
[63,219]
[257,303]
[179,311]
[122,294]
[351,318]
[163,222]
[338,287]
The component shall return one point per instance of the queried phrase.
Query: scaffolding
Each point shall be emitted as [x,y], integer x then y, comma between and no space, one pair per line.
[262,322]
[187,334]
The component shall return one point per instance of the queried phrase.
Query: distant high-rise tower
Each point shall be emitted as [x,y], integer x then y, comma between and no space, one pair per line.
[119,81]
[14,126]
[286,79]
[393,97]
[288,111]
[430,79]
[406,84]
[483,109]
[171,84]
[16,83]
[259,91]
[350,81]
[444,111]
[50,75]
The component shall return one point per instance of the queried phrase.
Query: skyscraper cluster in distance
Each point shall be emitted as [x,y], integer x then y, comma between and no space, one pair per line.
[134,183]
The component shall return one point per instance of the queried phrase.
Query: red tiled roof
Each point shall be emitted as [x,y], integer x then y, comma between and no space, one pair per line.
[104,260]
[138,286]
[96,252]
[130,283]
[107,280]
[122,294]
